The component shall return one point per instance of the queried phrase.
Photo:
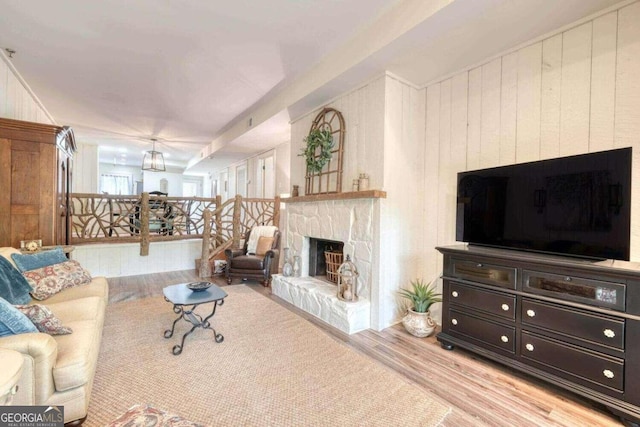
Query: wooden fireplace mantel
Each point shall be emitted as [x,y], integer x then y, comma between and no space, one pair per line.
[367,194]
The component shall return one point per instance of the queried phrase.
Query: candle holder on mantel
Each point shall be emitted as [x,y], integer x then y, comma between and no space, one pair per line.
[348,281]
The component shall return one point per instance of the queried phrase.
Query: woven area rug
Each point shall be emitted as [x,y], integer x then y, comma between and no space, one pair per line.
[145,415]
[273,368]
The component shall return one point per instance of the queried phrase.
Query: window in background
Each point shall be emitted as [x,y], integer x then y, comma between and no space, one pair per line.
[117,184]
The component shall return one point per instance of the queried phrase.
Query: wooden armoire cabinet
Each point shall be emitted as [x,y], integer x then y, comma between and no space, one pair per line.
[35,181]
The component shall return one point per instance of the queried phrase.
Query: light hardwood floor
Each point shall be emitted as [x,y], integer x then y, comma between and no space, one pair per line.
[480,392]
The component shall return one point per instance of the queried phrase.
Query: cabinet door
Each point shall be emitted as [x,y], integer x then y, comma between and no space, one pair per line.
[32,192]
[62,196]
[5,193]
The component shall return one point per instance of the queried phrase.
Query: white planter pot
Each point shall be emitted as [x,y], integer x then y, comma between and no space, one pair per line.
[418,324]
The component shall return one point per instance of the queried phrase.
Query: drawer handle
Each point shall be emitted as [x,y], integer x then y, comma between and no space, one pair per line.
[531,313]
[454,294]
[505,307]
[609,333]
[529,347]
[567,279]
[479,265]
[504,338]
[454,321]
[607,373]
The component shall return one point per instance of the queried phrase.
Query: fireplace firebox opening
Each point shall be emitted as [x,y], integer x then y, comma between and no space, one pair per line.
[317,261]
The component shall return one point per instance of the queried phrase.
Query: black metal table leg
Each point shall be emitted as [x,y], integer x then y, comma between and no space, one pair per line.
[196,320]
[178,310]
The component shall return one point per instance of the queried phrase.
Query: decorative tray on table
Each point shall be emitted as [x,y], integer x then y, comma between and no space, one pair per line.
[198,286]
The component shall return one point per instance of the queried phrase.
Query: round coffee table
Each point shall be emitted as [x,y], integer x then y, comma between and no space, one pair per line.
[182,298]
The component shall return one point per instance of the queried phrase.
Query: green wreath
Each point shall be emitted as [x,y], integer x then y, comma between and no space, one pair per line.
[317,139]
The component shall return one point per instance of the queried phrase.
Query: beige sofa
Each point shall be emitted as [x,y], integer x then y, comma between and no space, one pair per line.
[59,369]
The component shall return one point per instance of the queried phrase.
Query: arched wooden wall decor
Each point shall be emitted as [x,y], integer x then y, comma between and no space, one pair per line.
[329,179]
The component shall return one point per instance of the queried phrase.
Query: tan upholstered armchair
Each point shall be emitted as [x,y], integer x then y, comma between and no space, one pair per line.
[259,263]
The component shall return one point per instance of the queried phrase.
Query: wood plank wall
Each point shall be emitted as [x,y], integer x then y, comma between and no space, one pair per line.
[16,102]
[575,92]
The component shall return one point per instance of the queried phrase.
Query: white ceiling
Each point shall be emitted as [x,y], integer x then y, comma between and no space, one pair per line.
[184,71]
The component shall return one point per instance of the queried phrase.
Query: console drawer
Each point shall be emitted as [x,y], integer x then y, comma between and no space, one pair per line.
[573,361]
[496,303]
[494,335]
[490,274]
[572,288]
[586,326]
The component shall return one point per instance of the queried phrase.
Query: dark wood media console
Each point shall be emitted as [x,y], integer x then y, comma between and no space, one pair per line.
[574,323]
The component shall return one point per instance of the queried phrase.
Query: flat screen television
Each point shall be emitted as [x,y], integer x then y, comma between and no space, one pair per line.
[577,206]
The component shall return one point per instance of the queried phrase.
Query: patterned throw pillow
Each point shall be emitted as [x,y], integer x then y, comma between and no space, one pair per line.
[43,319]
[50,280]
[12,322]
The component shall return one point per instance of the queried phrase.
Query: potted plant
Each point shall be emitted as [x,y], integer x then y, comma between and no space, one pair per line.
[418,320]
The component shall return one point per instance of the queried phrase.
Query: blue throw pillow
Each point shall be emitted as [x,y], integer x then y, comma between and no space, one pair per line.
[12,321]
[13,286]
[38,260]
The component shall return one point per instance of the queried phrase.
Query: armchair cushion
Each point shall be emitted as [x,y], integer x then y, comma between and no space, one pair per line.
[12,321]
[249,262]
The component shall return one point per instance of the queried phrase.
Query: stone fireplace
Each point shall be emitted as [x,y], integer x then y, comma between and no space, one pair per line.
[348,218]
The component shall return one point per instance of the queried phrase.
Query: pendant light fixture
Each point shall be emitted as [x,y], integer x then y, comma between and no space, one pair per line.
[153,160]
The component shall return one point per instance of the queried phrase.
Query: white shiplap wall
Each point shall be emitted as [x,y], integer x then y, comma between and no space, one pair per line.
[574,92]
[16,100]
[363,112]
[85,169]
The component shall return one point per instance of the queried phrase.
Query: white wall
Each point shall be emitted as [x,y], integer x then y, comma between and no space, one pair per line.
[574,92]
[86,178]
[363,112]
[283,168]
[151,182]
[123,259]
[402,219]
[17,101]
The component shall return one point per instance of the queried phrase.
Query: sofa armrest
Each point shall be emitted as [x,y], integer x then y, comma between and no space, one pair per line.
[40,352]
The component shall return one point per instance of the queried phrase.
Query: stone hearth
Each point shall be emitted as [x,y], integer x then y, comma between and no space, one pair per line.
[318,297]
[353,221]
